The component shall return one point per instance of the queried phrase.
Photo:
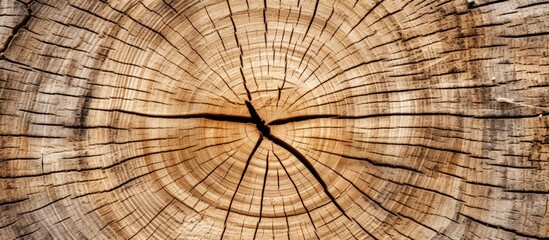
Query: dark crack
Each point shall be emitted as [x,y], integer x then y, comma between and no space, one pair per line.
[209,116]
[297,190]
[266,132]
[240,182]
[261,126]
[17,28]
[262,194]
[309,167]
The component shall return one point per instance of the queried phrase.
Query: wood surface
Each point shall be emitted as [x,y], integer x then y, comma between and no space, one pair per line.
[329,119]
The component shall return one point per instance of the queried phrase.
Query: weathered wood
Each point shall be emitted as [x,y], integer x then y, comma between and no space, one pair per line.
[274,119]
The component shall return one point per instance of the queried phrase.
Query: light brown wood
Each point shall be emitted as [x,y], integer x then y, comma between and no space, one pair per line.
[250,119]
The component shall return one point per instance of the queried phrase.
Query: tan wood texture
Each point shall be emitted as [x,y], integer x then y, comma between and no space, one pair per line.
[329,119]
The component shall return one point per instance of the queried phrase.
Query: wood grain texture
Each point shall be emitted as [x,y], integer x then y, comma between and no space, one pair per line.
[367,119]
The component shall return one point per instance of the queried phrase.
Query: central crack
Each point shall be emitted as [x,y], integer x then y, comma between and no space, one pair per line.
[261,126]
[266,132]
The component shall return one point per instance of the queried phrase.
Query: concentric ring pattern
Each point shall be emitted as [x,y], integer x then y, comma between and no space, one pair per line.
[274,119]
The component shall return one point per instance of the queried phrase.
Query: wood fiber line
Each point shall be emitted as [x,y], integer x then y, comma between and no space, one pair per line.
[256,119]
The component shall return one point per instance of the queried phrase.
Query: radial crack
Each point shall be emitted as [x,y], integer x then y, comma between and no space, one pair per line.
[239,182]
[297,190]
[209,116]
[262,194]
[15,30]
[283,121]
[266,132]
[309,167]
[261,126]
[312,20]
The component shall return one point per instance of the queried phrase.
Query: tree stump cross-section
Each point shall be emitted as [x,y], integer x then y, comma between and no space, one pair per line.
[245,119]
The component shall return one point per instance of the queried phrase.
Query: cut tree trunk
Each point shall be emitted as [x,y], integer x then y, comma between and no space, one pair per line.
[273,120]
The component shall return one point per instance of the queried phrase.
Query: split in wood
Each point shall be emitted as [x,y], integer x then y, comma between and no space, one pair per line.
[266,132]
